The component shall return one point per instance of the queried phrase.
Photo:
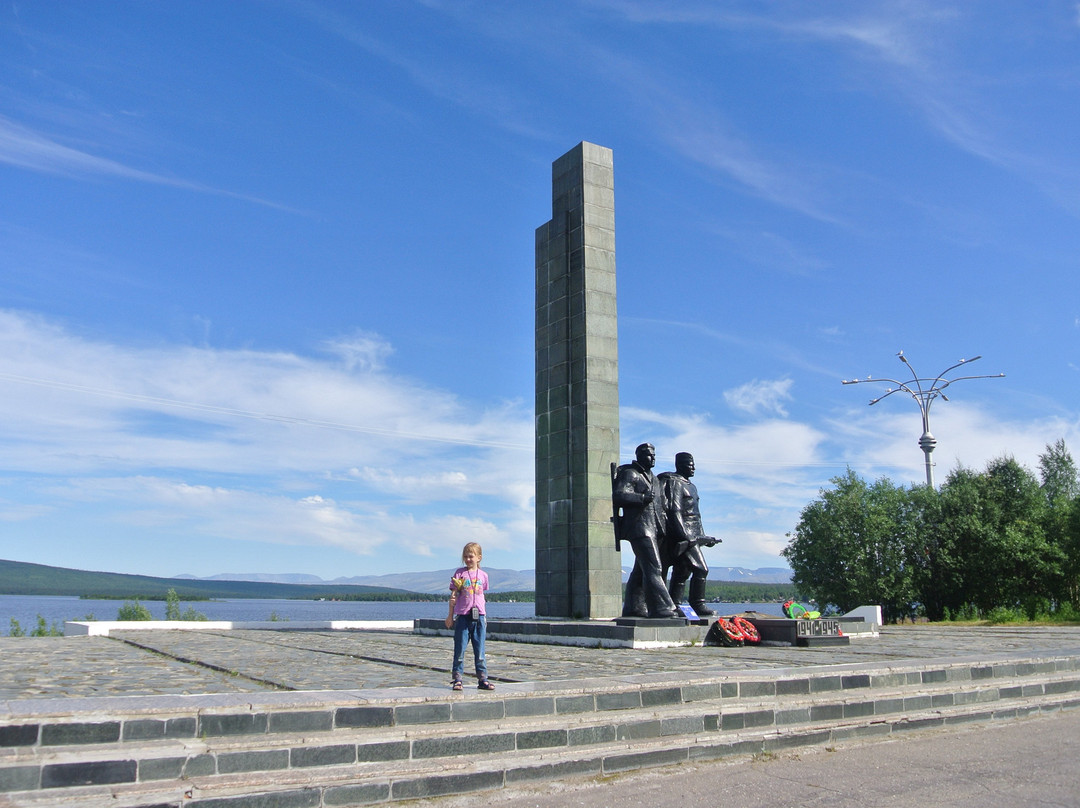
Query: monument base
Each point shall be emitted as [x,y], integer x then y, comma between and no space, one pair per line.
[654,622]
[805,633]
[637,632]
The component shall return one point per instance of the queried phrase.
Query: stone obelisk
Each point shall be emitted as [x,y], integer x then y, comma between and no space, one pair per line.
[578,570]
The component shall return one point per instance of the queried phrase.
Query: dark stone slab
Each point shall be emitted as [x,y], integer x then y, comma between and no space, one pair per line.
[624,700]
[887,706]
[170,768]
[795,740]
[793,687]
[147,729]
[308,721]
[826,712]
[575,704]
[478,710]
[19,778]
[858,709]
[254,761]
[661,696]
[716,751]
[232,724]
[442,785]
[98,772]
[554,771]
[150,729]
[584,736]
[335,755]
[684,725]
[364,717]
[854,682]
[822,684]
[422,714]
[796,715]
[759,718]
[520,708]
[636,730]
[80,733]
[19,734]
[757,689]
[298,798]
[200,766]
[462,745]
[645,760]
[542,738]
[383,751]
[351,795]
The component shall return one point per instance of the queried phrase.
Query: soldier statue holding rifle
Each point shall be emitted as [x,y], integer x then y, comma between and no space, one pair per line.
[684,536]
[638,502]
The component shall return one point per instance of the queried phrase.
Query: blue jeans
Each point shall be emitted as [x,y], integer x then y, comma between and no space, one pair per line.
[468,630]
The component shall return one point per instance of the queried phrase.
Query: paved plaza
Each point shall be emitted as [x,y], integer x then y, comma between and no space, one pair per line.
[237,661]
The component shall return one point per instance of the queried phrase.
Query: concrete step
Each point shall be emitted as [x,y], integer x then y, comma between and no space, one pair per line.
[326,748]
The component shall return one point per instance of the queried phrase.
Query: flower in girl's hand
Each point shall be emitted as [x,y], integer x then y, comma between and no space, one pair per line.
[458,582]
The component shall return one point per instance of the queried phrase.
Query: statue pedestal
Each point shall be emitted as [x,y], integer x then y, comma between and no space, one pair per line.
[636,633]
[804,633]
[650,622]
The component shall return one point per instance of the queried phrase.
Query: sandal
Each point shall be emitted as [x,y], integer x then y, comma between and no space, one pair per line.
[456,685]
[485,685]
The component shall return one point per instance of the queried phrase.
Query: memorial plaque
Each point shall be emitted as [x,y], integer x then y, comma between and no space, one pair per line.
[820,627]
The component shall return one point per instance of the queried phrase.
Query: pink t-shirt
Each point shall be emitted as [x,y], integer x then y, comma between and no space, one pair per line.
[472,591]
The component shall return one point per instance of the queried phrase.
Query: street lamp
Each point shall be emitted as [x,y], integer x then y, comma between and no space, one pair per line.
[924,391]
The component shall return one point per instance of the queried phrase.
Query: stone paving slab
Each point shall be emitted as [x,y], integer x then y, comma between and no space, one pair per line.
[185,662]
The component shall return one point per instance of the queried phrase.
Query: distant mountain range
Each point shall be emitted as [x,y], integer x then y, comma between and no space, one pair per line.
[501,580]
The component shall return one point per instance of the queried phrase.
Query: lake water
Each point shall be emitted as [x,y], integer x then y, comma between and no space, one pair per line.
[56,609]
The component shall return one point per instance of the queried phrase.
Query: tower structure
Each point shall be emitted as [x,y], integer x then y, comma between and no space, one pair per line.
[578,569]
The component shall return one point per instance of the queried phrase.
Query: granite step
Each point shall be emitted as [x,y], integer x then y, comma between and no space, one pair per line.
[328,749]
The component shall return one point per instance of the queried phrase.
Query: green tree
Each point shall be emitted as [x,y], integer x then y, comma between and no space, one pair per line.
[172,605]
[850,547]
[42,629]
[172,609]
[1061,486]
[133,610]
[1057,472]
[994,525]
[931,556]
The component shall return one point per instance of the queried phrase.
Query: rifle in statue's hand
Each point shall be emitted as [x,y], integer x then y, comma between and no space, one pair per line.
[616,517]
[709,541]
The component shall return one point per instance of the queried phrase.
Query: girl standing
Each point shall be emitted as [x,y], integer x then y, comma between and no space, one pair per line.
[467,615]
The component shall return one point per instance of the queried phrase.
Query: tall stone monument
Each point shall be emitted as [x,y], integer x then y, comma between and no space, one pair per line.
[578,570]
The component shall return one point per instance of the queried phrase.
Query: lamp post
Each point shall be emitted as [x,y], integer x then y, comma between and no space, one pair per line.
[924,391]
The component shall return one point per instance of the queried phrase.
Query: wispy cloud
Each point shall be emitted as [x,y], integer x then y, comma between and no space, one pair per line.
[455,81]
[909,48]
[760,397]
[27,149]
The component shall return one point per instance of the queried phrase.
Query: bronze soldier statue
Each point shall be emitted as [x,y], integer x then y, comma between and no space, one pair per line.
[639,514]
[684,536]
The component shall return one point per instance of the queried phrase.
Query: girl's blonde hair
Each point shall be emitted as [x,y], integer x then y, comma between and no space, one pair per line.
[472,547]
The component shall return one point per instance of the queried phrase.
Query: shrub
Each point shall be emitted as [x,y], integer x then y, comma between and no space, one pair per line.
[133,610]
[172,609]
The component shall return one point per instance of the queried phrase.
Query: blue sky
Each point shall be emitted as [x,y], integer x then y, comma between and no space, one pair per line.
[266,268]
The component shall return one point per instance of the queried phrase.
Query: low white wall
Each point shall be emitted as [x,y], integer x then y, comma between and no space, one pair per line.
[102,628]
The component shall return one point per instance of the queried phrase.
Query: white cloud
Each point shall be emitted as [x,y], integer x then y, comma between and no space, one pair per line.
[362,351]
[254,446]
[760,397]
